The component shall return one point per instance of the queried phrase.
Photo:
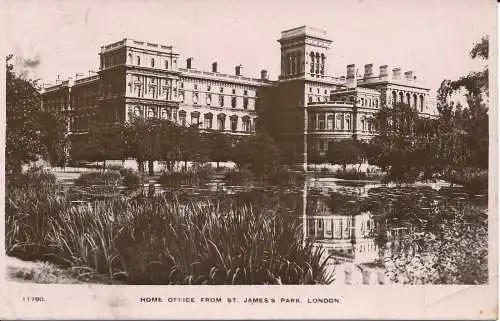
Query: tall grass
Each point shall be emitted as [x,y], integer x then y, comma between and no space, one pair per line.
[195,176]
[164,241]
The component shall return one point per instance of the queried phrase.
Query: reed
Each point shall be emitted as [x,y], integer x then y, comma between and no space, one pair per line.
[162,240]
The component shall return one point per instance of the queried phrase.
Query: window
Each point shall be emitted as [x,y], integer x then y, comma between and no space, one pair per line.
[130,59]
[234,123]
[181,85]
[246,124]
[321,121]
[209,99]
[310,99]
[221,89]
[221,121]
[348,122]
[208,88]
[195,118]
[195,86]
[310,89]
[208,121]
[317,89]
[181,96]
[166,64]
[325,91]
[234,91]
[245,103]
[339,125]
[174,115]
[245,92]
[137,111]
[138,60]
[182,117]
[195,98]
[363,124]
[151,113]
[152,62]
[233,102]
[221,100]
[329,122]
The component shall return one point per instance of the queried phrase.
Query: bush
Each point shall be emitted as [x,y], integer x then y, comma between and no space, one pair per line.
[356,175]
[161,241]
[239,177]
[131,178]
[474,179]
[196,176]
[286,177]
[99,178]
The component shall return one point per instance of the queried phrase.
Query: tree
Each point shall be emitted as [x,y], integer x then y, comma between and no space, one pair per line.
[218,146]
[23,130]
[345,152]
[54,137]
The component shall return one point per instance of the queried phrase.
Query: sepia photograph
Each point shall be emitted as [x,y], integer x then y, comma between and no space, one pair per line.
[324,147]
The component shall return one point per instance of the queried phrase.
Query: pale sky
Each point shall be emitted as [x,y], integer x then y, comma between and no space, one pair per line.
[432,38]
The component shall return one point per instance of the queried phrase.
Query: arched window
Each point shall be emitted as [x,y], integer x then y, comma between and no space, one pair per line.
[408,99]
[234,123]
[208,121]
[138,60]
[246,123]
[329,122]
[152,62]
[321,121]
[394,97]
[182,117]
[195,98]
[312,62]
[195,118]
[401,97]
[415,101]
[221,121]
[137,111]
[151,113]
[339,125]
[347,122]
[322,69]
[209,99]
[421,103]
[317,63]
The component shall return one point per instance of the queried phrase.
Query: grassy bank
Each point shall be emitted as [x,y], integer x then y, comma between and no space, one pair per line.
[162,240]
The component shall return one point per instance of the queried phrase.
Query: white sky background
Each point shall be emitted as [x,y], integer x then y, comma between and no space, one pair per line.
[433,38]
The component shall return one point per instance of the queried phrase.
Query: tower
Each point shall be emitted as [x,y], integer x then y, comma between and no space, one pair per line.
[304,53]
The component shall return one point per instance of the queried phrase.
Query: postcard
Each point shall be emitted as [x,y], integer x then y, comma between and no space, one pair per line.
[253,159]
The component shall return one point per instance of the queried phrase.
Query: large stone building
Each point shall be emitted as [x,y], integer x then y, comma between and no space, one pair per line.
[142,79]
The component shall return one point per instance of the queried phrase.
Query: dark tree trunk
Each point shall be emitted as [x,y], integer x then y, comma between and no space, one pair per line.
[151,167]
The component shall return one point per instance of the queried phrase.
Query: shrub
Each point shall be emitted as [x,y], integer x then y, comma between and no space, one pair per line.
[131,178]
[98,178]
[471,178]
[285,177]
[239,177]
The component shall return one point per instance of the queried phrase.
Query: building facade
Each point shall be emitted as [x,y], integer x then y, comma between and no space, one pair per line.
[142,79]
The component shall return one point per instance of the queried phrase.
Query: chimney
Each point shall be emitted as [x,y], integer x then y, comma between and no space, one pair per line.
[214,66]
[238,70]
[263,74]
[351,76]
[189,63]
[384,71]
[396,73]
[409,75]
[368,71]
